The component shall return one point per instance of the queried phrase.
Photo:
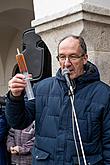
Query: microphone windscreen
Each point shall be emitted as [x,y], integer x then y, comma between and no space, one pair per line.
[65,71]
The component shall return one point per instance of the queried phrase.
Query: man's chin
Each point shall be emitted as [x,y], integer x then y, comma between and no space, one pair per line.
[72,76]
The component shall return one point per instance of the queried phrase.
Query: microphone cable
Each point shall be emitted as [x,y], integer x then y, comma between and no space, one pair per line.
[65,73]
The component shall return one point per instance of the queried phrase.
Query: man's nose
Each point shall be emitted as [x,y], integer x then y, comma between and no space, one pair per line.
[67,61]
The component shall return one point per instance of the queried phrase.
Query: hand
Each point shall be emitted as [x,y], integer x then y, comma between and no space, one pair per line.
[12,150]
[17,149]
[17,84]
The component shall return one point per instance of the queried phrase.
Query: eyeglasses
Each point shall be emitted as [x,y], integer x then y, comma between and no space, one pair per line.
[70,58]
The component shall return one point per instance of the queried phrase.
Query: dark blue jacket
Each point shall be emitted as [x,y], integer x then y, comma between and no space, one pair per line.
[54,144]
[3,134]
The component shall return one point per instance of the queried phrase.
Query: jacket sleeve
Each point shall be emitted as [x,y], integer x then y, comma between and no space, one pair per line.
[10,139]
[3,128]
[27,147]
[19,113]
[106,135]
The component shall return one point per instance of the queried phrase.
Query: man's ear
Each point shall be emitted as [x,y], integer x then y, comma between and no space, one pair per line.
[85,58]
[57,57]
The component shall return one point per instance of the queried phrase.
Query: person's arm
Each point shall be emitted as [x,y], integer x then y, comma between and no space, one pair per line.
[28,137]
[106,136]
[25,148]
[19,113]
[10,139]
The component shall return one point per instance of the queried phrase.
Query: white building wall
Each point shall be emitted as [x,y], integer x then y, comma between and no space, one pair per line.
[44,8]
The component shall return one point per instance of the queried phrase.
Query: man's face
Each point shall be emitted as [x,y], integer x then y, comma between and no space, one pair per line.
[70,57]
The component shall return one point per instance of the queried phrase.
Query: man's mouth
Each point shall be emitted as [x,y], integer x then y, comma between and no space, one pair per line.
[71,70]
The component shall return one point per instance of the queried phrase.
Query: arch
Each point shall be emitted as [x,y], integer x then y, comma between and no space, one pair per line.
[7,5]
[1,72]
[14,20]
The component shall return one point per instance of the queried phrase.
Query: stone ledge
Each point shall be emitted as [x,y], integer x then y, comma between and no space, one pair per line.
[83,11]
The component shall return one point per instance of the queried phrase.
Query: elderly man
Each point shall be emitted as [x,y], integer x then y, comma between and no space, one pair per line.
[57,140]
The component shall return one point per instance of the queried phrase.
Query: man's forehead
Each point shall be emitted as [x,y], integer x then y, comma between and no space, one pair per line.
[69,40]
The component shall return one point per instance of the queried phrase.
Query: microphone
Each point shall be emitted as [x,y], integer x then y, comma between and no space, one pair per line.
[65,73]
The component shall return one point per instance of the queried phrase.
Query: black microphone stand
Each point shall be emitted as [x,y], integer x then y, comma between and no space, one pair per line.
[74,120]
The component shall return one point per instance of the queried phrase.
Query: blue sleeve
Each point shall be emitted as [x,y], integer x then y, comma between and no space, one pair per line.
[20,113]
[3,127]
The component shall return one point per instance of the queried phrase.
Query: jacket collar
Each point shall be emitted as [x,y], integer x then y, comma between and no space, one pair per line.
[90,75]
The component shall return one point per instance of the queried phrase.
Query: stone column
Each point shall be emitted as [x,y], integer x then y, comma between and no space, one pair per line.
[88,18]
